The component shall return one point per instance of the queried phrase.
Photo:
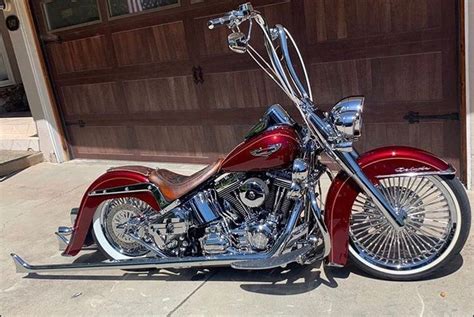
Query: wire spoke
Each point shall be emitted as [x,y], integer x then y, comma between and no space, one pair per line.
[429,219]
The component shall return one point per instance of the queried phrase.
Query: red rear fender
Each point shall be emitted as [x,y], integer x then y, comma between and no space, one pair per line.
[343,191]
[115,178]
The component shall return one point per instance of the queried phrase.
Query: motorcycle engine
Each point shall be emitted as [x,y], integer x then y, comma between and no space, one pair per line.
[241,214]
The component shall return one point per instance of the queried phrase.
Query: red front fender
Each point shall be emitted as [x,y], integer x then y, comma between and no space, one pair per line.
[116,177]
[343,190]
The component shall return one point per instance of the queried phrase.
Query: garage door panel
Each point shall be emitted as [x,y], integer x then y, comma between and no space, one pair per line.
[154,44]
[240,89]
[409,15]
[328,20]
[170,42]
[179,141]
[427,135]
[335,80]
[413,78]
[79,55]
[382,134]
[228,137]
[438,137]
[161,94]
[134,46]
[100,140]
[98,98]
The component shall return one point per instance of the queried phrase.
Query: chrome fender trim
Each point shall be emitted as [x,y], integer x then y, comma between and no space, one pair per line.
[130,189]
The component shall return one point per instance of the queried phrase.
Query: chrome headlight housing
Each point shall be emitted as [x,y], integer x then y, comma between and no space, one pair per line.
[346,116]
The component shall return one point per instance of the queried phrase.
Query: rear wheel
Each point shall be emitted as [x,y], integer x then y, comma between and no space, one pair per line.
[437,222]
[108,227]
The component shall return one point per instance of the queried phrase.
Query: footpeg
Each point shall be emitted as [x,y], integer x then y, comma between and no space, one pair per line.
[269,263]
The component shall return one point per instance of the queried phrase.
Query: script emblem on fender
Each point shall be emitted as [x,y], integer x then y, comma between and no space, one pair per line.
[412,169]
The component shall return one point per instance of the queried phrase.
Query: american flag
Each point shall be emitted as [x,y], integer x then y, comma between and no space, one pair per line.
[142,5]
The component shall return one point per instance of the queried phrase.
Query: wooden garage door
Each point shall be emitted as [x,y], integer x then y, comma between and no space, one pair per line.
[145,79]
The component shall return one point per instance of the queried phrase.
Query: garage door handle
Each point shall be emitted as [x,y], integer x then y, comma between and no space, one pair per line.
[80,123]
[198,76]
[416,117]
[51,38]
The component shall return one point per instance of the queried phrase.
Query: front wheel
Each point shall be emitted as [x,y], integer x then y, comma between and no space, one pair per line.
[437,222]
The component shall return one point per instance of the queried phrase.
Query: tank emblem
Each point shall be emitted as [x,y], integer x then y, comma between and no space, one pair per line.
[267,151]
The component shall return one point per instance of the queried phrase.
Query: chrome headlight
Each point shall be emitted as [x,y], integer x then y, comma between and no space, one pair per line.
[346,116]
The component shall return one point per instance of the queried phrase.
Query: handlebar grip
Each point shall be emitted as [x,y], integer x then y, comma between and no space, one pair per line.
[218,22]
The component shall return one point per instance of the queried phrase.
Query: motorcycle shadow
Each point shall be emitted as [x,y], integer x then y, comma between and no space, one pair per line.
[291,280]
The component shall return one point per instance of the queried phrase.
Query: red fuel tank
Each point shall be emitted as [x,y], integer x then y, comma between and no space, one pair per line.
[271,149]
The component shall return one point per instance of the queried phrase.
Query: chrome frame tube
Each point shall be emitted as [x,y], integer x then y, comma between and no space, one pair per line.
[319,221]
[282,242]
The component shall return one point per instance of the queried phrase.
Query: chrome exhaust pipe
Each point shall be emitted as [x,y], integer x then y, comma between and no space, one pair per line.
[141,263]
[169,262]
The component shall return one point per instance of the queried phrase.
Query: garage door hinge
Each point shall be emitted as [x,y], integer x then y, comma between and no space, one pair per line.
[415,117]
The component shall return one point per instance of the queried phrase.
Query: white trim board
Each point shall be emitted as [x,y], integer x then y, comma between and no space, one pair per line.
[34,80]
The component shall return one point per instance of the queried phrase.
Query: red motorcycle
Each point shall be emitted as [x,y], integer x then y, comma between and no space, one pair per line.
[397,212]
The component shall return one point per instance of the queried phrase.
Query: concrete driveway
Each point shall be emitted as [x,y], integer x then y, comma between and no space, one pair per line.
[36,201]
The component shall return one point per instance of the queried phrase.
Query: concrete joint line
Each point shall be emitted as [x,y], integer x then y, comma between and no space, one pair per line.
[191,294]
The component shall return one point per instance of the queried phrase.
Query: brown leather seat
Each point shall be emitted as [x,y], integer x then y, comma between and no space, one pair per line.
[173,185]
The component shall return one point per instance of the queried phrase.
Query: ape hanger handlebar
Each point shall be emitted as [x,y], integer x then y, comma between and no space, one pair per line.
[279,68]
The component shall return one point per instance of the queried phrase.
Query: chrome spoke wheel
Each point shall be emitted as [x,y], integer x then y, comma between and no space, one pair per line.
[115,218]
[431,215]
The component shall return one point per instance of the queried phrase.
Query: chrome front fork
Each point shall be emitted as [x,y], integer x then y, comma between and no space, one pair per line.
[348,162]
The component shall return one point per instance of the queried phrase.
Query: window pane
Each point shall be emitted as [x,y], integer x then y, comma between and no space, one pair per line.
[3,69]
[121,7]
[64,13]
[6,77]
